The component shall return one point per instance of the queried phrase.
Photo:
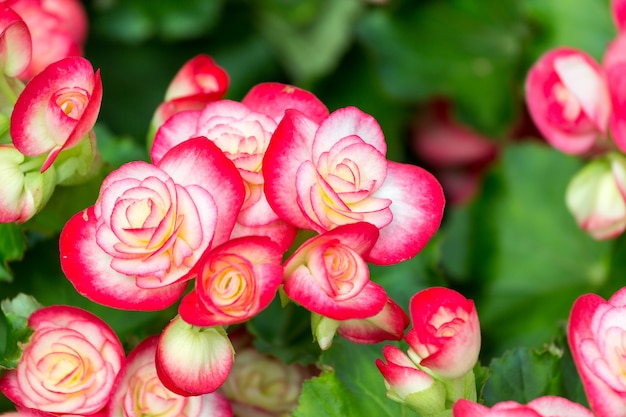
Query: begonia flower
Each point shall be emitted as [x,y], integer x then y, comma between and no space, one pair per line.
[568,99]
[15,43]
[198,82]
[135,248]
[445,337]
[235,281]
[58,30]
[243,131]
[322,175]
[547,406]
[409,385]
[596,197]
[24,189]
[328,276]
[262,386]
[69,365]
[57,109]
[193,360]
[596,333]
[139,392]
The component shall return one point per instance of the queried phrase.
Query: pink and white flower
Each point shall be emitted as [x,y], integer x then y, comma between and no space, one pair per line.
[58,29]
[243,132]
[235,281]
[568,99]
[445,337]
[597,338]
[193,360]
[139,392]
[57,109]
[136,247]
[409,385]
[322,175]
[15,43]
[198,82]
[328,276]
[614,63]
[548,406]
[68,366]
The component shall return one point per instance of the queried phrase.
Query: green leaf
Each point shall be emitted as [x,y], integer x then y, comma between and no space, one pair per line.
[12,246]
[325,396]
[15,314]
[309,35]
[529,260]
[522,375]
[350,385]
[582,24]
[469,50]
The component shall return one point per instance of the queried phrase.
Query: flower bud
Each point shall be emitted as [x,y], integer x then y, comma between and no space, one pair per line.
[445,337]
[409,385]
[593,197]
[24,189]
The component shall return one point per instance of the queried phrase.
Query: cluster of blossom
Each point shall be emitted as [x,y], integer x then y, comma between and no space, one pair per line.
[228,187]
[46,136]
[578,106]
[435,378]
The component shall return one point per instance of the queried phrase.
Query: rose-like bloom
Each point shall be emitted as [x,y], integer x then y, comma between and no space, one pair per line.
[445,337]
[15,43]
[24,189]
[320,176]
[262,386]
[548,406]
[57,109]
[243,132]
[597,338]
[568,99]
[140,393]
[235,281]
[58,29]
[193,360]
[595,197]
[198,82]
[150,226]
[69,364]
[328,276]
[409,385]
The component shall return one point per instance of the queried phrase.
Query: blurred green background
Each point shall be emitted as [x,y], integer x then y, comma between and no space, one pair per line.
[513,248]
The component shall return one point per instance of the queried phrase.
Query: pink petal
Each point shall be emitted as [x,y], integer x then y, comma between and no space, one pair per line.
[221,178]
[274,99]
[344,122]
[175,130]
[198,76]
[558,407]
[289,148]
[389,324]
[15,43]
[87,267]
[618,12]
[417,208]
